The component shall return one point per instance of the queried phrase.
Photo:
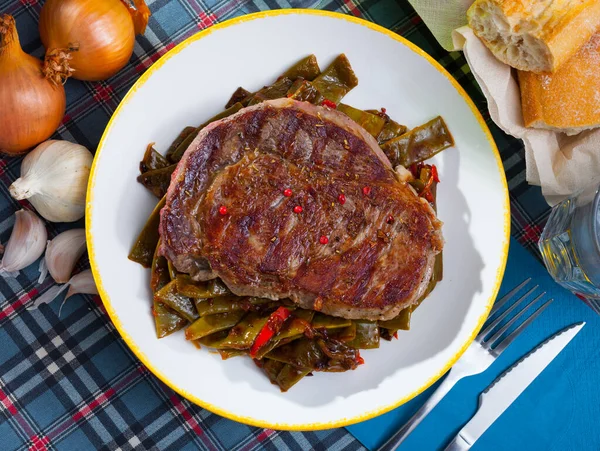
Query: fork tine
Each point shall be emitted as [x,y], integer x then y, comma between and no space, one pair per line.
[593,303]
[515,333]
[490,327]
[590,304]
[505,327]
[500,303]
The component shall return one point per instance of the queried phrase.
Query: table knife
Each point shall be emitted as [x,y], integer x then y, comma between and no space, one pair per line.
[509,385]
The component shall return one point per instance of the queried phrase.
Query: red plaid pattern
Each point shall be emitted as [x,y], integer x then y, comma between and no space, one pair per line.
[206,20]
[89,408]
[10,309]
[39,443]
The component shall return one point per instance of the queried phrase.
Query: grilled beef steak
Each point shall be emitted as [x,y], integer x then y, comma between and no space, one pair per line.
[289,200]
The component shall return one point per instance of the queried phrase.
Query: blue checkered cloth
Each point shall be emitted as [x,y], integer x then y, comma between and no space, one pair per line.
[70,382]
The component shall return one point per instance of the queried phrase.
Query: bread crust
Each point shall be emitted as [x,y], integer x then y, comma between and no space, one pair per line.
[534,35]
[567,100]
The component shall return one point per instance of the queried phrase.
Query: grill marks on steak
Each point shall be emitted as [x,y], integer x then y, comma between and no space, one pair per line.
[371,268]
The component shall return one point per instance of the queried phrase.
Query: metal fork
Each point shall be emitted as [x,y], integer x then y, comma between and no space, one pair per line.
[479,356]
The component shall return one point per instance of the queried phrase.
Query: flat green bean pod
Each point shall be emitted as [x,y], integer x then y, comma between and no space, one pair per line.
[390,130]
[159,274]
[419,144]
[402,321]
[187,131]
[217,288]
[213,340]
[337,80]
[271,369]
[228,303]
[152,160]
[143,249]
[289,376]
[321,321]
[169,296]
[239,95]
[367,335]
[210,324]
[172,271]
[166,320]
[304,70]
[277,90]
[244,333]
[307,68]
[229,353]
[302,353]
[293,329]
[158,180]
[372,123]
[187,286]
[347,334]
[305,91]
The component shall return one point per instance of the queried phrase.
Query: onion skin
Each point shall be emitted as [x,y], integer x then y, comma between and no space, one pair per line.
[31,106]
[99,34]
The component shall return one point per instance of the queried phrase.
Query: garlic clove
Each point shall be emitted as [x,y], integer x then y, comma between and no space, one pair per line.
[82,283]
[51,294]
[54,179]
[43,269]
[5,273]
[63,252]
[26,243]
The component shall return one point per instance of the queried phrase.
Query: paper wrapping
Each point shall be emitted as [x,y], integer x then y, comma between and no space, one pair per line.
[562,165]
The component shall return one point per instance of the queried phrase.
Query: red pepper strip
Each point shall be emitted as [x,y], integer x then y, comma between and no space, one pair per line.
[426,193]
[415,169]
[429,183]
[395,335]
[359,359]
[272,327]
[329,103]
[434,174]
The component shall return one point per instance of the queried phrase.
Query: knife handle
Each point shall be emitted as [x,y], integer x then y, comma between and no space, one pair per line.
[395,440]
[458,444]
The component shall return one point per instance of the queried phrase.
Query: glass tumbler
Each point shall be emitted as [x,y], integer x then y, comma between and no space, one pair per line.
[570,243]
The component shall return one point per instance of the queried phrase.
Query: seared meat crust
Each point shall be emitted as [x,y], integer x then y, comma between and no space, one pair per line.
[381,241]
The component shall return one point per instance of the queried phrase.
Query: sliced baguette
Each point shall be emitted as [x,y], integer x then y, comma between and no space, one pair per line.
[534,35]
[568,100]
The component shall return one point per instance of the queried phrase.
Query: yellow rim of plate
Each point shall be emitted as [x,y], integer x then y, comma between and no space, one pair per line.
[111,311]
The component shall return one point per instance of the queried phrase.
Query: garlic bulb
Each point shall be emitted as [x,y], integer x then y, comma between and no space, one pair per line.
[26,243]
[63,252]
[54,179]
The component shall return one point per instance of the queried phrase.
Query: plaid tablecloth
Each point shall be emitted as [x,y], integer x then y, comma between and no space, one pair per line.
[70,382]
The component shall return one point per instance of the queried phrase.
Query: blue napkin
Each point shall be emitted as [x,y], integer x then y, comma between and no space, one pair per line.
[558,411]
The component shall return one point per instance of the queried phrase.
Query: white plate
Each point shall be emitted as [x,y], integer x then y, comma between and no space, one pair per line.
[190,84]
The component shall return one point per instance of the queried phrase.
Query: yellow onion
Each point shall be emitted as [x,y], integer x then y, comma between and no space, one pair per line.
[31,107]
[90,39]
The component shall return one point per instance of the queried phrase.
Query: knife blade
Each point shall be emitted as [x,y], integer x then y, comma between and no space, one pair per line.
[507,387]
